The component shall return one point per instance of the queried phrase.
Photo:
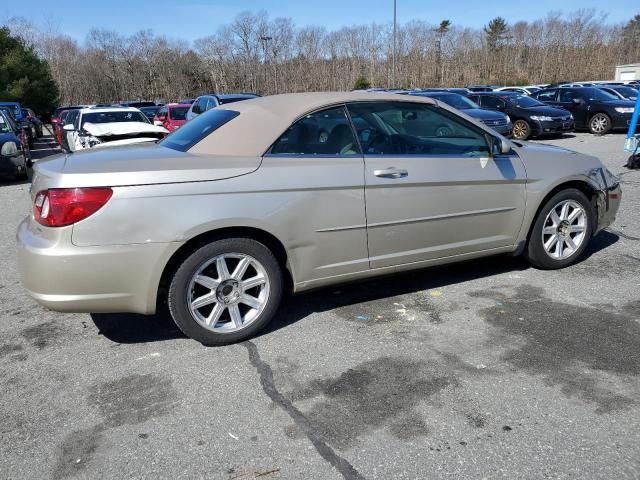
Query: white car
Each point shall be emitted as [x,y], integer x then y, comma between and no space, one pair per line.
[526,90]
[96,127]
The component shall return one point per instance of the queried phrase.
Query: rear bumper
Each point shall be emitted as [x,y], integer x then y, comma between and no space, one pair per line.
[103,279]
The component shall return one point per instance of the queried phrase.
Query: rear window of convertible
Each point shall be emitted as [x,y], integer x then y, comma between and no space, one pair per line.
[195,130]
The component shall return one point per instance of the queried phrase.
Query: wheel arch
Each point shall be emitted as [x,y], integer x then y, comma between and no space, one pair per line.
[590,191]
[266,238]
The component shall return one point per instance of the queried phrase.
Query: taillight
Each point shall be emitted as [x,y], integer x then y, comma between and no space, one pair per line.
[59,207]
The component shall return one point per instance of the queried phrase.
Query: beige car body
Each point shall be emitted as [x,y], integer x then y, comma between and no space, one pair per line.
[328,219]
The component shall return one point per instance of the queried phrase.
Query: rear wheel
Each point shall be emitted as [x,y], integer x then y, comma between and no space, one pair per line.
[225,291]
[521,130]
[600,124]
[562,230]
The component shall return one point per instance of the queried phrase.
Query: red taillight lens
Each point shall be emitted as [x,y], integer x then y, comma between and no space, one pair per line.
[59,207]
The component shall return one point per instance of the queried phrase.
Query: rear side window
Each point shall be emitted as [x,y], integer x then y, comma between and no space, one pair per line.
[195,130]
[323,133]
[548,96]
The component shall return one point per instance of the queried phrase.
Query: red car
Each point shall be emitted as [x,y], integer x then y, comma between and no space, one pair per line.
[171,116]
[58,118]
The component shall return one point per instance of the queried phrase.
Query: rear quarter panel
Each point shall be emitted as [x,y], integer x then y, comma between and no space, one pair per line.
[315,207]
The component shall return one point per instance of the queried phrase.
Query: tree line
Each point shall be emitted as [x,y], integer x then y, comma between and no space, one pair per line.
[254,53]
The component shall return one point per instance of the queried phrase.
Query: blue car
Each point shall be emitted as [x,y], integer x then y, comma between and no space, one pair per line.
[13,159]
[20,116]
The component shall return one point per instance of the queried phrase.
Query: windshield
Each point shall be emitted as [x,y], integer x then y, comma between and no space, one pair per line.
[192,132]
[524,101]
[178,113]
[114,117]
[626,91]
[456,101]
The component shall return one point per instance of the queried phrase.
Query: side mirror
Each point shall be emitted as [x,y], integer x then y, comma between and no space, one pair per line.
[68,127]
[500,146]
[157,123]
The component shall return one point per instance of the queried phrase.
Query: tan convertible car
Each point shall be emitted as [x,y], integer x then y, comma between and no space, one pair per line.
[295,192]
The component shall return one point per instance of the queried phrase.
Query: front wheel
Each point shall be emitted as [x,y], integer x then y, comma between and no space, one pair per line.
[521,130]
[225,291]
[600,124]
[562,230]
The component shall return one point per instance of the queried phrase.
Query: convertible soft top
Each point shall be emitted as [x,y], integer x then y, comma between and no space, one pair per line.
[268,117]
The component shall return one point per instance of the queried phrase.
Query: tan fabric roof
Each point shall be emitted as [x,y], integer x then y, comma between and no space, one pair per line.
[263,120]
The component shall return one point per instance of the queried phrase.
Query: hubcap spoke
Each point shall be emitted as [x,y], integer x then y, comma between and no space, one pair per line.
[221,266]
[208,282]
[241,269]
[214,316]
[564,212]
[549,230]
[551,242]
[204,300]
[554,218]
[576,229]
[236,317]
[251,301]
[559,248]
[253,282]
[570,243]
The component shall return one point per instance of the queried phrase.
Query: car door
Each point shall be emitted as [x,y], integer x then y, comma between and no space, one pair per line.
[317,184]
[433,189]
[573,100]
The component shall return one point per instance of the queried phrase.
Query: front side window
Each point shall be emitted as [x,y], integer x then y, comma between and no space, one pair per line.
[404,128]
[195,130]
[323,133]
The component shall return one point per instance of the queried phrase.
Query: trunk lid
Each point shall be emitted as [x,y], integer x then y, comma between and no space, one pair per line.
[141,164]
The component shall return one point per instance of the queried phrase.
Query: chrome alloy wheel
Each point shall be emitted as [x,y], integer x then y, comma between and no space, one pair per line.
[228,292]
[564,229]
[599,123]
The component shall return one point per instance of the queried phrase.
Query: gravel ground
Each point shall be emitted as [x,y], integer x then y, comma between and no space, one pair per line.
[489,369]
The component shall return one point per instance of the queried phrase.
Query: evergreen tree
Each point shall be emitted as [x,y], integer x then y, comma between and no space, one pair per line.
[24,77]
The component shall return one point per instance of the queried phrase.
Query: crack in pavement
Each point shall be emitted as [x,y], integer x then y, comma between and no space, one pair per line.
[347,470]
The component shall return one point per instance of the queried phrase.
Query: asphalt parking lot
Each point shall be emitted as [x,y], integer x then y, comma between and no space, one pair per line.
[488,369]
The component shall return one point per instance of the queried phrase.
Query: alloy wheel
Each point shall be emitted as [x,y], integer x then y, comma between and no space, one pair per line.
[599,123]
[564,229]
[228,292]
[520,130]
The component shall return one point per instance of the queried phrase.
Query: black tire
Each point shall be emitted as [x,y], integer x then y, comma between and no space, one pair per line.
[535,252]
[177,295]
[600,124]
[521,130]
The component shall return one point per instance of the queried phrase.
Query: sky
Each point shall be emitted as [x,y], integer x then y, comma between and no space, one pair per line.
[191,19]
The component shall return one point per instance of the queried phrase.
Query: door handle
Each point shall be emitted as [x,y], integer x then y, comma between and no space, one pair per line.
[391,172]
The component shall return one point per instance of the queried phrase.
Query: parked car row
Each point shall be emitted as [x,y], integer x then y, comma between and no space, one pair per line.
[541,110]
[77,127]
[25,118]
